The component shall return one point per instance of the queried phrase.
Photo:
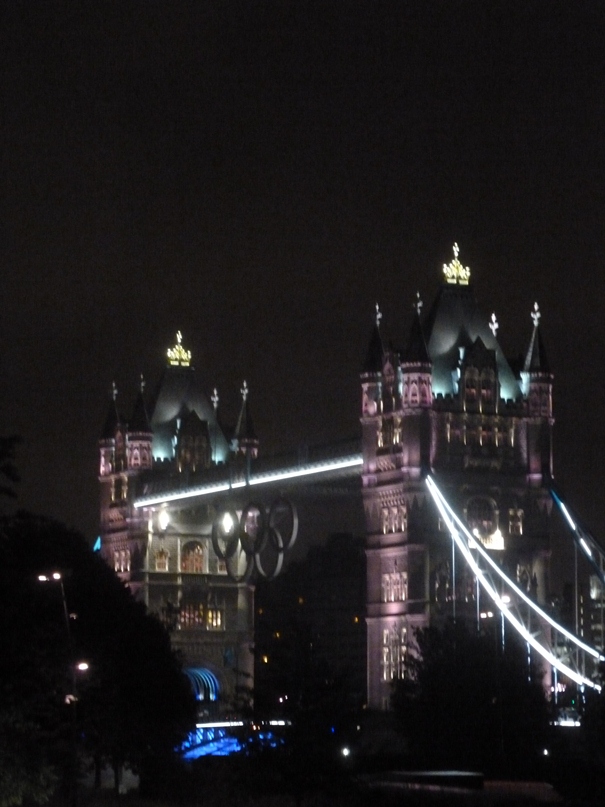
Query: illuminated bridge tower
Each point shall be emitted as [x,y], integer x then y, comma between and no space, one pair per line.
[453,405]
[166,555]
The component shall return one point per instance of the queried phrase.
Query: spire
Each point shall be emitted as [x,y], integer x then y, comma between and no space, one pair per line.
[139,421]
[112,421]
[375,354]
[416,351]
[535,360]
[245,436]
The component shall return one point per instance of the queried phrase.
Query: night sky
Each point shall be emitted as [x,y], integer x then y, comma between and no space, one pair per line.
[258,175]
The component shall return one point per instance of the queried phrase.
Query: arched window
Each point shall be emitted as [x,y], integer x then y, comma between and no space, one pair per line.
[161,560]
[414,394]
[192,558]
[424,393]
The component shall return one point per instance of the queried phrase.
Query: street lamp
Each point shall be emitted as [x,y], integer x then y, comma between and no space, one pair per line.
[71,698]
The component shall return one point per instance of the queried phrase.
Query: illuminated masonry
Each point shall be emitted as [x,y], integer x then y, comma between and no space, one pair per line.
[450,403]
[169,557]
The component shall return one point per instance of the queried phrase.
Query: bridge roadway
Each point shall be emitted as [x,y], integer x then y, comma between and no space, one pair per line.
[320,469]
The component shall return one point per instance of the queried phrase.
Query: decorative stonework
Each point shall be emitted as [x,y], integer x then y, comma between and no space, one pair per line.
[455,272]
[177,355]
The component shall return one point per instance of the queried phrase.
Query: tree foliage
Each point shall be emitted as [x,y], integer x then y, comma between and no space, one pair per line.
[468,702]
[133,704]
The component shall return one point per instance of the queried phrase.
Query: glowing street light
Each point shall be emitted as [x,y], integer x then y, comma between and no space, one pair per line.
[71,698]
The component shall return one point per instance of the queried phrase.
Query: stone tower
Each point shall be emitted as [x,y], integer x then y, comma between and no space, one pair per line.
[166,555]
[449,403]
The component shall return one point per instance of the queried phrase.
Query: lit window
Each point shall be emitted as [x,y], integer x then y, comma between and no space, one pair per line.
[394,586]
[191,615]
[414,394]
[397,432]
[192,559]
[515,521]
[394,650]
[214,619]
[125,560]
[161,560]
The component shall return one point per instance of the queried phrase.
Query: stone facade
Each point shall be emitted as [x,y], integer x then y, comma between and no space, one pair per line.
[451,404]
[167,556]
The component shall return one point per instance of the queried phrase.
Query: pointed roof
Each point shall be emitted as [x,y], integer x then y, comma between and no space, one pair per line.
[244,429]
[416,351]
[480,356]
[375,355]
[178,393]
[451,327]
[113,419]
[535,360]
[139,422]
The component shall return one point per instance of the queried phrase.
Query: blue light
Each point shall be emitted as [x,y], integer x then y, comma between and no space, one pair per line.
[97,546]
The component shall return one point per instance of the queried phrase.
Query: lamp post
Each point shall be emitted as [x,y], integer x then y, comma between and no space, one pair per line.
[71,698]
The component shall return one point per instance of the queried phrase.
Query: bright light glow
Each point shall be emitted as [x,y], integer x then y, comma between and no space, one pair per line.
[227,523]
[585,547]
[205,490]
[163,519]
[177,355]
[82,666]
[505,598]
[56,575]
[486,584]
[320,468]
[516,588]
[261,479]
[455,272]
[566,514]
[346,751]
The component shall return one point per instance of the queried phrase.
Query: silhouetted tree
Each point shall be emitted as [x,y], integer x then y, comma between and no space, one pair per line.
[133,704]
[468,702]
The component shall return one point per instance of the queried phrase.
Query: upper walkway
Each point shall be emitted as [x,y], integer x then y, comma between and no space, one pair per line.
[340,462]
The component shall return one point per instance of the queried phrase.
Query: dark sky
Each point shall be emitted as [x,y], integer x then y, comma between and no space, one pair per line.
[258,175]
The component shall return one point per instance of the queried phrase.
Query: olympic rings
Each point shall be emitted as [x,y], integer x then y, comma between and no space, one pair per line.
[257,539]
[277,543]
[224,540]
[235,562]
[264,546]
[277,516]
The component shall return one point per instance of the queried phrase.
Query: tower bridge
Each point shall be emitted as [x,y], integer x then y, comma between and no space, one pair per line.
[451,479]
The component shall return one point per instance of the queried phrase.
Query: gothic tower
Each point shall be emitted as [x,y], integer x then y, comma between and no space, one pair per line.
[450,404]
[166,555]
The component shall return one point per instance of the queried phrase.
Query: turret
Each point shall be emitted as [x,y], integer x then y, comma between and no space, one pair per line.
[111,440]
[536,385]
[371,393]
[245,441]
[417,396]
[416,367]
[140,434]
